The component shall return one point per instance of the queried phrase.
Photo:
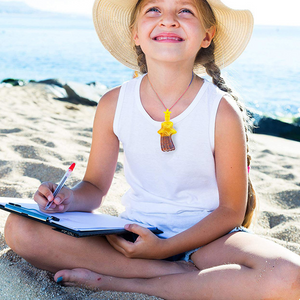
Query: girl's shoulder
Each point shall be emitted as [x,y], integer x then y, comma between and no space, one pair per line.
[107,105]
[109,100]
[228,108]
[229,120]
[111,96]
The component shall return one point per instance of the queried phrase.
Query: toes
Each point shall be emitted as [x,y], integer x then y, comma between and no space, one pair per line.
[59,276]
[78,277]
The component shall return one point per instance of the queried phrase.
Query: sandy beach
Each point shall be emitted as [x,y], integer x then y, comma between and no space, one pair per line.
[41,136]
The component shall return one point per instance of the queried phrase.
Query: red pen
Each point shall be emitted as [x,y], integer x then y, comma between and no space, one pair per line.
[61,184]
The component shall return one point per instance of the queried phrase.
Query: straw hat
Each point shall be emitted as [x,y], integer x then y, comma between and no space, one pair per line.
[112,19]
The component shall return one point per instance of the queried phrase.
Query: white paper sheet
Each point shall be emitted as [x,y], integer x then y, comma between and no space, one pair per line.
[74,220]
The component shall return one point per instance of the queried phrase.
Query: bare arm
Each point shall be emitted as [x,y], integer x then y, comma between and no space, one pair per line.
[88,194]
[103,157]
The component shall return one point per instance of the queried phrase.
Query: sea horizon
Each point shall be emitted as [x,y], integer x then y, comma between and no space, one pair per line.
[38,46]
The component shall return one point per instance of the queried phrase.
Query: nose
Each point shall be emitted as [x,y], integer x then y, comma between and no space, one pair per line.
[169,20]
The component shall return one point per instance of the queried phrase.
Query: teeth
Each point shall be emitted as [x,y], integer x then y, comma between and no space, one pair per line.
[160,38]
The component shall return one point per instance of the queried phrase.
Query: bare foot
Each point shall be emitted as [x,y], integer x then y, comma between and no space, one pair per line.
[95,281]
[83,278]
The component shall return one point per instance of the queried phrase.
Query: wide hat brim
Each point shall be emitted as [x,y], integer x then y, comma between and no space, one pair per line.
[112,19]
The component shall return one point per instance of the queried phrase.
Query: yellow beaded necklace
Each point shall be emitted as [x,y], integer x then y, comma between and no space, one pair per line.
[167,129]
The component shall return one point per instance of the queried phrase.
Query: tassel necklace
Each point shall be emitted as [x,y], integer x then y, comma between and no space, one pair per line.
[167,129]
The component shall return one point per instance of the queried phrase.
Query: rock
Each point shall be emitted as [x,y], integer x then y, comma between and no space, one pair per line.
[74,92]
[57,91]
[254,116]
[297,121]
[99,86]
[14,82]
[53,81]
[56,87]
[277,128]
[84,94]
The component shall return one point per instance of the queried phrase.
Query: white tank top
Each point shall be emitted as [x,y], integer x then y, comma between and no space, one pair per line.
[170,190]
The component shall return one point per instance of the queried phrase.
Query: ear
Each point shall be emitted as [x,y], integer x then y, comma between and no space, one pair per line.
[209,35]
[136,37]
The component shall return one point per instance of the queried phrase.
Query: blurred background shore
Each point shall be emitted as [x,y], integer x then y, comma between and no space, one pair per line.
[53,71]
[37,45]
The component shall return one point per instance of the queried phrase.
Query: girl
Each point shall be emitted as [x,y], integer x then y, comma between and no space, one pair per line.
[186,162]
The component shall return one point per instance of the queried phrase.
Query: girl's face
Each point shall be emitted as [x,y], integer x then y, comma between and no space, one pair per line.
[170,30]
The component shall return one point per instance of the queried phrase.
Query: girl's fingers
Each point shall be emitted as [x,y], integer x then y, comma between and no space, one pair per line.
[40,199]
[60,198]
[113,240]
[137,229]
[46,189]
[61,207]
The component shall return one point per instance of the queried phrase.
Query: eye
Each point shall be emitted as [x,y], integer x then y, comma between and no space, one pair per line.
[186,11]
[152,9]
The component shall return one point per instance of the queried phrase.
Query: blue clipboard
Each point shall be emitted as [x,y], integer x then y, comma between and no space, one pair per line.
[77,224]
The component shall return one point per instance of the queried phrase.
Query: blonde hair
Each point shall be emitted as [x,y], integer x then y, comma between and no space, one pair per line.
[206,58]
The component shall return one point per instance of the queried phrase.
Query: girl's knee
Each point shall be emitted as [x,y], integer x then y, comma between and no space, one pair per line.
[283,279]
[291,274]
[10,230]
[18,233]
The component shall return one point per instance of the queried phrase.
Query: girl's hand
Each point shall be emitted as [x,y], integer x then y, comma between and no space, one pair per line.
[62,201]
[146,246]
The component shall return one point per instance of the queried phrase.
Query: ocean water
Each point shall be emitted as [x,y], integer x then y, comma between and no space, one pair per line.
[41,46]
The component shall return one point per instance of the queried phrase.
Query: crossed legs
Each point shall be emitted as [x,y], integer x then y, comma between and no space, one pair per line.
[53,251]
[236,266]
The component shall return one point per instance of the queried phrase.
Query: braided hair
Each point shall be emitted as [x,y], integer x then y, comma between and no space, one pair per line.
[206,58]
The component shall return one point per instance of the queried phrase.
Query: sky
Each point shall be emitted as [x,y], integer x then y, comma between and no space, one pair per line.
[266,12]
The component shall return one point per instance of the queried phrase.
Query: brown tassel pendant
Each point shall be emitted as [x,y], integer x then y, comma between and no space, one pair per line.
[166,132]
[166,144]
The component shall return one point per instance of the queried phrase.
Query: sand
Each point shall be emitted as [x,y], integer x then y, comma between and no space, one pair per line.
[41,136]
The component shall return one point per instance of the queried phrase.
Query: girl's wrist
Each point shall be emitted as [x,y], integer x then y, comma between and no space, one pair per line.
[71,200]
[165,248]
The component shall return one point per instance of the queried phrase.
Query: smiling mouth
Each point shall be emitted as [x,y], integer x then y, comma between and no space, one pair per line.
[168,38]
